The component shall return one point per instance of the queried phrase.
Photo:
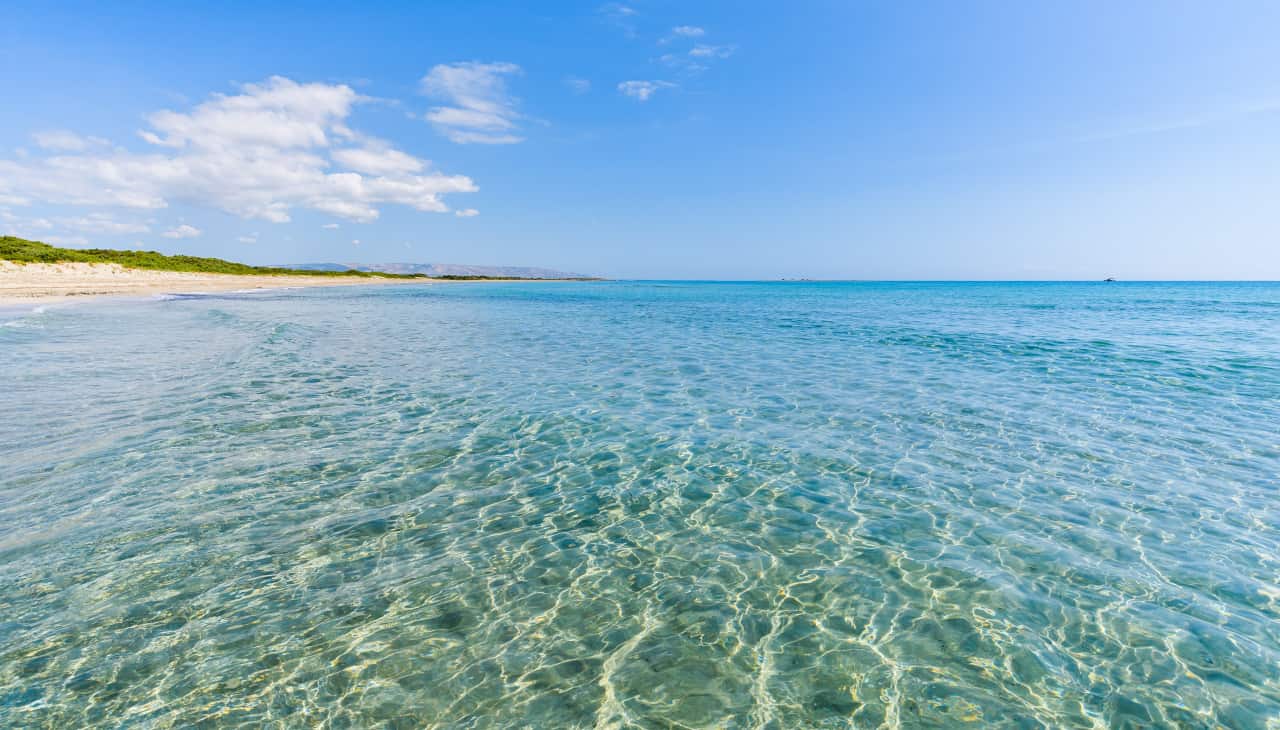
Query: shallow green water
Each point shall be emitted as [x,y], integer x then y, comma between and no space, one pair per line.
[645,505]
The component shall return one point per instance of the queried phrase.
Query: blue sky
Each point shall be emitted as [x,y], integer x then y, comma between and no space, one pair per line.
[656,139]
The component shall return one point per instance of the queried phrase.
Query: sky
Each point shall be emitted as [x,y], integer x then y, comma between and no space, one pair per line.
[646,139]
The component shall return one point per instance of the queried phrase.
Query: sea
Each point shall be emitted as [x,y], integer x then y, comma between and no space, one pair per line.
[644,505]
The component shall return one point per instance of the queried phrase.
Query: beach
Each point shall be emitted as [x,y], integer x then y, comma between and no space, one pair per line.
[37,283]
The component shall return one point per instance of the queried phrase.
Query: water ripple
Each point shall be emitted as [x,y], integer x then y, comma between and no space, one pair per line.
[641,505]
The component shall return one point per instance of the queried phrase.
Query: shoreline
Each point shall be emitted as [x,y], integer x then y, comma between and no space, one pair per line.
[39,283]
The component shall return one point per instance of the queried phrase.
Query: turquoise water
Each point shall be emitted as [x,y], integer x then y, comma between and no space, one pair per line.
[649,505]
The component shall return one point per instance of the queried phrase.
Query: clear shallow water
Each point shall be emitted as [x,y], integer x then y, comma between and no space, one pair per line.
[645,505]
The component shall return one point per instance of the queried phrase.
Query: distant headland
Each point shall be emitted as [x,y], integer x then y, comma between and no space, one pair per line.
[441,271]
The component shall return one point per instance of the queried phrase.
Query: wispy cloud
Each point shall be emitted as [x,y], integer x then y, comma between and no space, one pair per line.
[642,90]
[618,10]
[703,50]
[467,213]
[182,231]
[251,238]
[693,59]
[259,153]
[577,85]
[479,110]
[1170,125]
[1188,122]
[329,226]
[61,140]
[681,62]
[91,223]
[25,227]
[102,223]
[621,17]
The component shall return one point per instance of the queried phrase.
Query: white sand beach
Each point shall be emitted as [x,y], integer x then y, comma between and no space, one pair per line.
[41,283]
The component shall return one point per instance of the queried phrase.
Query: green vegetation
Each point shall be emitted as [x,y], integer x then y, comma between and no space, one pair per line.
[23,251]
[20,250]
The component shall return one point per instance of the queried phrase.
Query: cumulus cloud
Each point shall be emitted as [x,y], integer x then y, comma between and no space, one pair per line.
[466,213]
[279,113]
[64,141]
[273,147]
[182,231]
[688,31]
[642,90]
[477,107]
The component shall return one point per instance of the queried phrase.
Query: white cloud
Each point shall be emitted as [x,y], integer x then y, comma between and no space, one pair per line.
[279,113]
[705,51]
[355,242]
[478,109]
[693,60]
[256,154]
[65,141]
[182,231]
[466,213]
[642,90]
[102,223]
[577,85]
[377,158]
[330,226]
[251,238]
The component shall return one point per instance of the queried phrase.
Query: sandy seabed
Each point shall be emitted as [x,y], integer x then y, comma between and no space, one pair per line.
[40,283]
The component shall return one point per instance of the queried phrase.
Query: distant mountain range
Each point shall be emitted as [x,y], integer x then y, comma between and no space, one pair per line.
[521,272]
